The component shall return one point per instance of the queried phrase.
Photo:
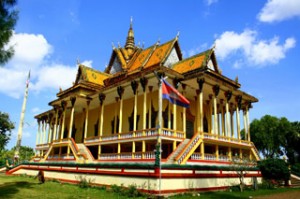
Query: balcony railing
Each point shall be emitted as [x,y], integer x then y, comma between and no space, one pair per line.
[224,138]
[136,134]
[127,155]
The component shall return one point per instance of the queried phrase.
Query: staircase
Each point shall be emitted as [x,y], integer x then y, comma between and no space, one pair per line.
[295,181]
[189,149]
[84,151]
[254,151]
[175,153]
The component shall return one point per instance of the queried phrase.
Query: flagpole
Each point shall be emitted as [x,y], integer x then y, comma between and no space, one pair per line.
[20,130]
[160,128]
[158,148]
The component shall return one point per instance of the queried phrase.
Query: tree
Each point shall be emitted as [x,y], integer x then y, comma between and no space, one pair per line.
[269,135]
[8,19]
[292,143]
[273,169]
[242,166]
[26,153]
[5,129]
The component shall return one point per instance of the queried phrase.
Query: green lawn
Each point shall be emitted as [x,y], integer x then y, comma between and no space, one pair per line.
[27,187]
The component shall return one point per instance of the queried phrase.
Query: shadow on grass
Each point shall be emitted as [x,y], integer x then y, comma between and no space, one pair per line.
[9,189]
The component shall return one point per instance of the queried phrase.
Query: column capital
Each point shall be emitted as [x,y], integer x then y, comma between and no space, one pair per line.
[101,97]
[238,100]
[63,105]
[216,90]
[73,99]
[228,95]
[120,91]
[134,86]
[176,82]
[200,82]
[144,82]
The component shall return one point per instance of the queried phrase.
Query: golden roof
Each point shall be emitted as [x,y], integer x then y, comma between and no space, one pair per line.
[192,63]
[88,74]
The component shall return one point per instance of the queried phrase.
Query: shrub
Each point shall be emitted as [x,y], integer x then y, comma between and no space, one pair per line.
[274,170]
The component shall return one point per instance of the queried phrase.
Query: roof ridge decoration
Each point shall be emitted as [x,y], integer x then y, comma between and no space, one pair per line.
[174,41]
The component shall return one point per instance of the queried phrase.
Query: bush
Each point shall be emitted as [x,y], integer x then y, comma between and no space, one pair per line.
[84,182]
[296,169]
[274,170]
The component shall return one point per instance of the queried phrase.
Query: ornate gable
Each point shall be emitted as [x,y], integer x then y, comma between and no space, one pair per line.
[203,61]
[88,75]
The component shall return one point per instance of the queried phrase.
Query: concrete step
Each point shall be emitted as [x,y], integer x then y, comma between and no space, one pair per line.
[177,151]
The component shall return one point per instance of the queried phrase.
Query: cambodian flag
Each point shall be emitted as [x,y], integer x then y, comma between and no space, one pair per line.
[173,95]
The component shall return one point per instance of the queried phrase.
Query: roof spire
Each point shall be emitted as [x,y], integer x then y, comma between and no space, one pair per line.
[130,38]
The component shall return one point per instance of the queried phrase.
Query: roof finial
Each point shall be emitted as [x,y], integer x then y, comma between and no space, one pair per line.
[158,41]
[78,61]
[129,45]
[178,33]
[113,45]
[131,19]
[119,45]
[214,46]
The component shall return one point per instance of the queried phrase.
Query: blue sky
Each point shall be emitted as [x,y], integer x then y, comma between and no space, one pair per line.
[256,40]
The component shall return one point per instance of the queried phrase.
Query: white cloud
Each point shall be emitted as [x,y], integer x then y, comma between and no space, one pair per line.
[209,2]
[198,49]
[54,77]
[32,51]
[279,10]
[87,63]
[254,51]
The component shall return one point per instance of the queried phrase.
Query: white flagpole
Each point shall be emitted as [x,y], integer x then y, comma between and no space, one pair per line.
[159,125]
[20,130]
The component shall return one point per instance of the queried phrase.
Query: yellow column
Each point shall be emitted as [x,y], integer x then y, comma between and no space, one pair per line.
[245,123]
[134,86]
[64,106]
[120,90]
[231,123]
[116,116]
[44,132]
[216,90]
[202,150]
[200,105]
[217,152]
[55,124]
[248,122]
[38,132]
[241,154]
[184,121]
[169,115]
[229,154]
[228,95]
[223,118]
[150,106]
[144,84]
[49,128]
[73,99]
[239,98]
[174,124]
[86,119]
[101,98]
[99,151]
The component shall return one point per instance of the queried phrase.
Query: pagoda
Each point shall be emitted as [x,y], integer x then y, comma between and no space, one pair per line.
[109,123]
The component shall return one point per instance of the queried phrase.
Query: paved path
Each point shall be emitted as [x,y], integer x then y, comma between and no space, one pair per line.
[285,195]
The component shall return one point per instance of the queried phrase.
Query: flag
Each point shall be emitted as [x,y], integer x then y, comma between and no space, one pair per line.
[173,95]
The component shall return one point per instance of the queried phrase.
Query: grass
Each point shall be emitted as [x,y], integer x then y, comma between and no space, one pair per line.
[20,187]
[12,187]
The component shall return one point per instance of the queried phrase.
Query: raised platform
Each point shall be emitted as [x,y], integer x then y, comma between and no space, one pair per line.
[146,177]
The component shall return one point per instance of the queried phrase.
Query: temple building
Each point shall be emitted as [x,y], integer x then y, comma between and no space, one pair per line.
[119,116]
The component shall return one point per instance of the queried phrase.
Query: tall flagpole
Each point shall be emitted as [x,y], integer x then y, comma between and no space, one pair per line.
[20,130]
[158,147]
